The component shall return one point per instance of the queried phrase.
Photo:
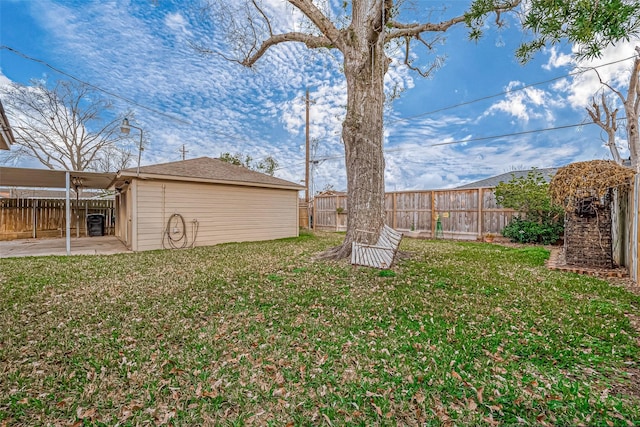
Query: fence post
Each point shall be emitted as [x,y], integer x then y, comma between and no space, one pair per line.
[67,210]
[460,221]
[480,213]
[35,216]
[394,215]
[335,212]
[433,214]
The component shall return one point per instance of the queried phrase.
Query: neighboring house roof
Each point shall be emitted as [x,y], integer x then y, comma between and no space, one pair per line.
[493,181]
[6,135]
[207,169]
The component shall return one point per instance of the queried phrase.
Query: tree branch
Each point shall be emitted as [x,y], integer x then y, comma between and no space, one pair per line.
[609,124]
[60,127]
[436,64]
[611,88]
[323,23]
[473,18]
[264,16]
[309,40]
[206,51]
[412,30]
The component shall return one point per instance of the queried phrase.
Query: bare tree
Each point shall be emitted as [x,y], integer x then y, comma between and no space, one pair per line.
[362,43]
[268,165]
[361,37]
[64,127]
[237,159]
[605,116]
[113,158]
[631,104]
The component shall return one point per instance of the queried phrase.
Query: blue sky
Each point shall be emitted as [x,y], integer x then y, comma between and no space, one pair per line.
[141,50]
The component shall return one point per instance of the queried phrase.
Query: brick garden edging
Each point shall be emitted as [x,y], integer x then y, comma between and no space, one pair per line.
[556,262]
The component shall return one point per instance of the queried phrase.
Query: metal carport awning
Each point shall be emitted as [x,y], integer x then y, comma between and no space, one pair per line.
[47,178]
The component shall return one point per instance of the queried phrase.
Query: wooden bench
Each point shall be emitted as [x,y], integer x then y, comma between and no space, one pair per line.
[380,255]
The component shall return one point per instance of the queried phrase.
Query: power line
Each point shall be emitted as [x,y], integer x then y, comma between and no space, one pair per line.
[98,88]
[130,101]
[482,138]
[484,98]
[155,111]
[158,112]
[461,141]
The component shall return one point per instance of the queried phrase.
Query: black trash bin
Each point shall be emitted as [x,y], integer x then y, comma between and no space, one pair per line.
[95,225]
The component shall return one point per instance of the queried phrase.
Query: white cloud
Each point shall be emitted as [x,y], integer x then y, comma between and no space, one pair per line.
[177,23]
[523,103]
[557,59]
[581,87]
[141,51]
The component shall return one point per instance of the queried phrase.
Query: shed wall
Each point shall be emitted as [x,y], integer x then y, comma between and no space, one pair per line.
[225,213]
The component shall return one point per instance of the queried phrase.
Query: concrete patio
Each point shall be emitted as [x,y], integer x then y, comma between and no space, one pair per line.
[99,245]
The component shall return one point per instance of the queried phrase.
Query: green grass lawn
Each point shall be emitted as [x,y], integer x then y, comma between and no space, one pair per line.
[259,334]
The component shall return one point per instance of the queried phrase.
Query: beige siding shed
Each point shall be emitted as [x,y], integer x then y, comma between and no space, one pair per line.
[218,202]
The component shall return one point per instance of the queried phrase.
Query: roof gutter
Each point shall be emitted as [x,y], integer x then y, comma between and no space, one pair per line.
[145,176]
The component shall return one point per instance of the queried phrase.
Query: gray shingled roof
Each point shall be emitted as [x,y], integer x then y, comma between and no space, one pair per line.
[209,169]
[493,181]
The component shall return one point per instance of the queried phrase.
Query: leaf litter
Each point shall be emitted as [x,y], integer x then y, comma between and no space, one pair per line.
[460,334]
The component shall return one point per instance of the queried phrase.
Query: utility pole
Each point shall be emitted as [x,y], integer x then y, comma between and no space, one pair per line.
[306,172]
[184,152]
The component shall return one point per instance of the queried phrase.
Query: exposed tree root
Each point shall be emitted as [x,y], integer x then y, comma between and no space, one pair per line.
[402,255]
[335,253]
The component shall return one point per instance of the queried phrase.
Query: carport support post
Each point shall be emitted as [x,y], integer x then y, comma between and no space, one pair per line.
[68,212]
[35,216]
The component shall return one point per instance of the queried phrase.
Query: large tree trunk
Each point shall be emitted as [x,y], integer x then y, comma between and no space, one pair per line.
[362,45]
[365,65]
[634,142]
[632,109]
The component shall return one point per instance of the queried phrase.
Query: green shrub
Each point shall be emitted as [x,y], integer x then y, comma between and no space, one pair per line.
[542,221]
[524,231]
[530,196]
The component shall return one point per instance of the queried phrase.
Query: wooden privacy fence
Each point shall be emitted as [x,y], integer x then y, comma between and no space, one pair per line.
[632,245]
[303,214]
[456,214]
[31,218]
